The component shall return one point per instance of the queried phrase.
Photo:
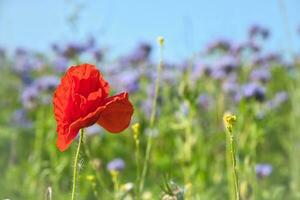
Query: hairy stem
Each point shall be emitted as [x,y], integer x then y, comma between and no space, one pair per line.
[75,166]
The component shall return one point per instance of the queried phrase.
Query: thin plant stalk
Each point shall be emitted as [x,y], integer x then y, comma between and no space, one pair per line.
[75,166]
[229,119]
[152,117]
[136,132]
[138,179]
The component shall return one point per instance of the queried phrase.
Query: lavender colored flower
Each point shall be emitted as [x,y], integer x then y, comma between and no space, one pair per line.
[56,48]
[60,64]
[170,76]
[220,44]
[22,65]
[201,69]
[98,54]
[263,170]
[47,83]
[21,52]
[253,90]
[140,54]
[29,97]
[279,98]
[260,74]
[25,63]
[40,91]
[129,81]
[227,63]
[117,164]
[73,49]
[230,86]
[144,50]
[258,31]
[218,74]
[205,101]
[237,48]
[272,57]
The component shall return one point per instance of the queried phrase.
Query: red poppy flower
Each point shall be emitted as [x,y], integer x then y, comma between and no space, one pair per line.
[82,100]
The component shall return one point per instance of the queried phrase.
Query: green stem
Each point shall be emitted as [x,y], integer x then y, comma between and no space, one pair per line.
[138,170]
[152,118]
[234,190]
[75,166]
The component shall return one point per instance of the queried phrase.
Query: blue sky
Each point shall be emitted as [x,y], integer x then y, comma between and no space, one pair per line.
[186,25]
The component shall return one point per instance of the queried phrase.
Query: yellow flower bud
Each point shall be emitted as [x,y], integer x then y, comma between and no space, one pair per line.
[136,131]
[229,119]
[161,40]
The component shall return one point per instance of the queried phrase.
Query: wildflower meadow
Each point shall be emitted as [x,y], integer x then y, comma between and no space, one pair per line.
[222,123]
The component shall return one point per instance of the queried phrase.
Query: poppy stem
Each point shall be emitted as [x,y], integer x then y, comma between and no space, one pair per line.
[75,166]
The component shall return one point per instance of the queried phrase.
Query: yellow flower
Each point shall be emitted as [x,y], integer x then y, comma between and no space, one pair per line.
[229,119]
[136,131]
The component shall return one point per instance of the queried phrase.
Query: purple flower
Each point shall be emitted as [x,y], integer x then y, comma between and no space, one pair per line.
[73,49]
[40,91]
[279,98]
[219,44]
[230,87]
[237,48]
[22,65]
[258,31]
[60,64]
[201,69]
[273,57]
[140,54]
[261,74]
[218,73]
[253,90]
[25,63]
[227,63]
[263,170]
[98,54]
[205,101]
[117,164]
[128,81]
[47,83]
[20,52]
[265,60]
[29,97]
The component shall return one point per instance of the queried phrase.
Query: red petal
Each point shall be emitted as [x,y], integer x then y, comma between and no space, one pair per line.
[64,141]
[117,113]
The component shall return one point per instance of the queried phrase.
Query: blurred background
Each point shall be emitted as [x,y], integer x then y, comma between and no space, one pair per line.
[218,56]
